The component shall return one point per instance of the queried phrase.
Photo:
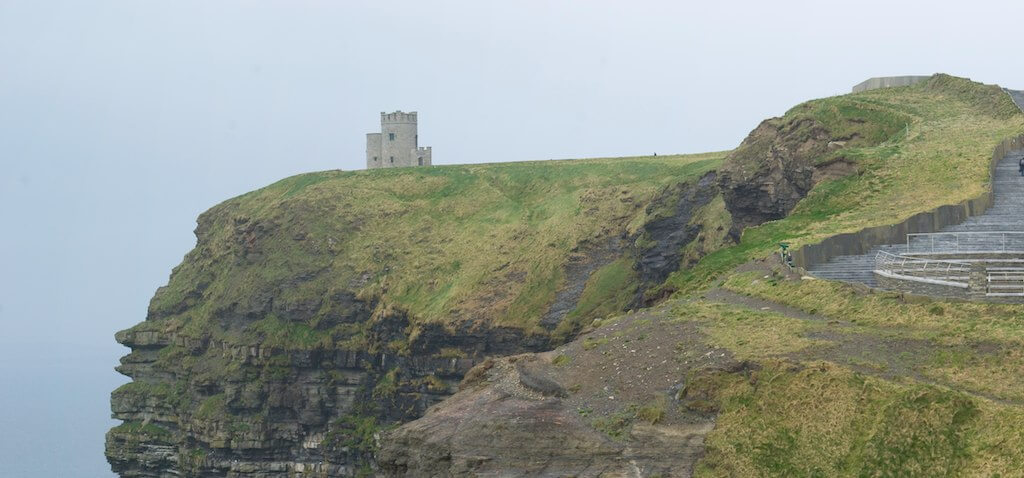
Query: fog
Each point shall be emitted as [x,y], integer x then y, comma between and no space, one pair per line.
[121,121]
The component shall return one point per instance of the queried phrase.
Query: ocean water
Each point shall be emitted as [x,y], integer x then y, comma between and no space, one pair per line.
[55,408]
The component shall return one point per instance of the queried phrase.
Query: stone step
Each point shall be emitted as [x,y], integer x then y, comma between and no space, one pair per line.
[1005,215]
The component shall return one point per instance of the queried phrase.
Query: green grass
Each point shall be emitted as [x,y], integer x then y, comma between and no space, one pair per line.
[616,425]
[653,412]
[289,266]
[444,244]
[998,327]
[608,291]
[214,407]
[828,421]
[387,386]
[140,393]
[355,432]
[590,343]
[936,144]
[889,311]
[280,333]
[561,360]
[748,334]
[937,395]
[147,432]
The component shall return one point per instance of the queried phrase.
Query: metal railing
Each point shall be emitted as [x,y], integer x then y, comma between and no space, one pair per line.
[965,242]
[951,273]
[1004,281]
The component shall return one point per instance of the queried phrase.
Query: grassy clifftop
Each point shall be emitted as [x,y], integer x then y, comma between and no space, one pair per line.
[324,306]
[494,242]
[327,305]
[444,244]
[783,376]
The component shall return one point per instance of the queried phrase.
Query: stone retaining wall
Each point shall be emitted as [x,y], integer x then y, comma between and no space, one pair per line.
[862,241]
[923,288]
[888,82]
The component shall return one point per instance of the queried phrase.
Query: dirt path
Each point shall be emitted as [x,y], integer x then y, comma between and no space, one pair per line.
[730,297]
[871,352]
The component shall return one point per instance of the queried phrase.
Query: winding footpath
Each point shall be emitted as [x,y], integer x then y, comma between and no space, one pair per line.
[896,356]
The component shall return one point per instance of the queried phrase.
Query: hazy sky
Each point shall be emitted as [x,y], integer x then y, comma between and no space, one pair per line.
[121,121]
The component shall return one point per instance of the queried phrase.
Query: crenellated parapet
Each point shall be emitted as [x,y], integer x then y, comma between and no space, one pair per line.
[397,117]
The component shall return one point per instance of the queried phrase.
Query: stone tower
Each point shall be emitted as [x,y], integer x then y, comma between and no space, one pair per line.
[397,144]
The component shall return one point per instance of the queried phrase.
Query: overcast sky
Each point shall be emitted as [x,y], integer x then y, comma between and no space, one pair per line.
[121,121]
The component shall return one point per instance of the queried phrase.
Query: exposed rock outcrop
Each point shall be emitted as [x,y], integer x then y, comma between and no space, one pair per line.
[779,162]
[581,266]
[594,407]
[508,429]
[284,343]
[221,409]
[670,227]
[771,171]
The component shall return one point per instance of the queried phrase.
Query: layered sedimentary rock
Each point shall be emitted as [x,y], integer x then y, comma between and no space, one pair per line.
[773,175]
[305,322]
[593,407]
[319,319]
[218,409]
[677,218]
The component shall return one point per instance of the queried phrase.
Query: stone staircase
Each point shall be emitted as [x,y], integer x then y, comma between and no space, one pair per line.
[1018,97]
[1005,215]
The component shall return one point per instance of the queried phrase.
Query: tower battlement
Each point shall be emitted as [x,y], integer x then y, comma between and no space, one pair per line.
[397,117]
[397,144]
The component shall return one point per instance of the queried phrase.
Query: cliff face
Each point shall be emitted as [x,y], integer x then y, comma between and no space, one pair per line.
[593,407]
[319,318]
[723,384]
[252,410]
[783,158]
[317,312]
[683,225]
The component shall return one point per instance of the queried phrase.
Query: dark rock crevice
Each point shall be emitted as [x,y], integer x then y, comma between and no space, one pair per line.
[659,246]
[577,272]
[769,173]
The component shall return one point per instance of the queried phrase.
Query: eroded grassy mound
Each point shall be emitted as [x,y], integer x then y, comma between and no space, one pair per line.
[444,244]
[321,309]
[936,140]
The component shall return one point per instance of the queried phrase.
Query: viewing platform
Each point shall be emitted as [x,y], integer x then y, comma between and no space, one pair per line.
[981,258]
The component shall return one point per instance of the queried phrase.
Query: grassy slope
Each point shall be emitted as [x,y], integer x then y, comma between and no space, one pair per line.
[883,386]
[879,387]
[941,157]
[444,243]
[829,421]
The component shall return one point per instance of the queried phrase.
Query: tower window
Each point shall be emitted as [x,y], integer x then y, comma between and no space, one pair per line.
[391,136]
[392,159]
[374,158]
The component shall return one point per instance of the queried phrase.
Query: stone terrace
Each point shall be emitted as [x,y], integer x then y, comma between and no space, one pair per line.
[1005,215]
